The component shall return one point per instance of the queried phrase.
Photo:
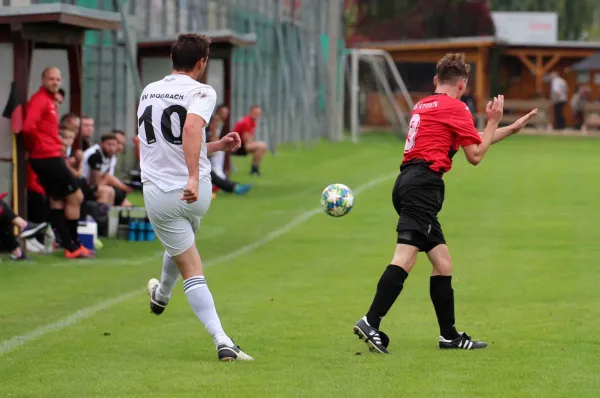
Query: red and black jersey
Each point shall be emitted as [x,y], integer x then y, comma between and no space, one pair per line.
[439,126]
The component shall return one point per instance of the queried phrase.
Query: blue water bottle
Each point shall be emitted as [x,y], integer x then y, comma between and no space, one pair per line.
[149,231]
[141,230]
[133,226]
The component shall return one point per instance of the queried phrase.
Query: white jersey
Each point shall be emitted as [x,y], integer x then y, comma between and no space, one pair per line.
[161,115]
[95,159]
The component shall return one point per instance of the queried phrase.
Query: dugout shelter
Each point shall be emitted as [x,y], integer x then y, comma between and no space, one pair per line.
[31,38]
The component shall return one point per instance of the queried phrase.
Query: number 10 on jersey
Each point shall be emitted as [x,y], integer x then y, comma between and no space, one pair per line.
[166,127]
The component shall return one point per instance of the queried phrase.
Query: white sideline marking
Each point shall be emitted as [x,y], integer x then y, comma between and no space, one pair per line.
[17,341]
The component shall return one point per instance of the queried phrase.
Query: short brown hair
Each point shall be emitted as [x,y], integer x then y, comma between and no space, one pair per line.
[67,118]
[451,68]
[118,132]
[188,50]
[107,137]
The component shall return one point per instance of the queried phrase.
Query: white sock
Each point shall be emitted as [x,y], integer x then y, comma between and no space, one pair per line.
[170,275]
[203,305]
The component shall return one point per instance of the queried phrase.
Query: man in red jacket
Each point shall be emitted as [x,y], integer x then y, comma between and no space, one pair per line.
[45,156]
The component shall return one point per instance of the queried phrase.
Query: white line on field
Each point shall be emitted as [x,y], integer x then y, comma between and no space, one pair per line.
[17,341]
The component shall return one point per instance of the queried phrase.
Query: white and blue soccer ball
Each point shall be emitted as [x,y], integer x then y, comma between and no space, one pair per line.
[337,200]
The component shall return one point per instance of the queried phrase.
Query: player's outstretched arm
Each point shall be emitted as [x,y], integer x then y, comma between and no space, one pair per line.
[505,132]
[191,138]
[494,110]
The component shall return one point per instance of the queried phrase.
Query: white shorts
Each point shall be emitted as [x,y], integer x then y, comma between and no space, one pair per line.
[174,221]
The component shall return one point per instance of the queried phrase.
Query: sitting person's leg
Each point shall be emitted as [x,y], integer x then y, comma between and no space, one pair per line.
[105,194]
[257,149]
[8,220]
[121,198]
[228,185]
[28,228]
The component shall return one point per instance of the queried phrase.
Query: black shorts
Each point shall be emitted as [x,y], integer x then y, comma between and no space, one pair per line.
[242,151]
[120,196]
[418,196]
[55,177]
[89,192]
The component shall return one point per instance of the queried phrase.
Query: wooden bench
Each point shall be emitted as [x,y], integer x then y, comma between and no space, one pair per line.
[591,115]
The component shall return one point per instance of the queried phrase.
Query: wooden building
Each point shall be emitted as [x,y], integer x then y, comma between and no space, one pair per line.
[32,38]
[518,71]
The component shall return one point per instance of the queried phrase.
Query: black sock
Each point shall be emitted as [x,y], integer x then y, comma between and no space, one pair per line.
[254,168]
[59,222]
[73,224]
[442,297]
[388,289]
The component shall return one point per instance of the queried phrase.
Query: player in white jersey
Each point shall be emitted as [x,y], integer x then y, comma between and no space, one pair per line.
[172,115]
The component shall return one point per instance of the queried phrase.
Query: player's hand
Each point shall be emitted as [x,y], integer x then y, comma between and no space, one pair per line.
[495,109]
[231,142]
[522,122]
[190,193]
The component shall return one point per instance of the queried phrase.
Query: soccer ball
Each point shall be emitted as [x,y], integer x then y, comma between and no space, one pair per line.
[337,200]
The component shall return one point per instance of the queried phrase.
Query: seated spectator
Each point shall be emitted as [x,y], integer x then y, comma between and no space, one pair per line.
[97,162]
[102,194]
[120,194]
[8,220]
[71,122]
[246,127]
[219,179]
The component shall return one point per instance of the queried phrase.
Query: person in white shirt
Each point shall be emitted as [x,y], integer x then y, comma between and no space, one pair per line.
[558,94]
[172,116]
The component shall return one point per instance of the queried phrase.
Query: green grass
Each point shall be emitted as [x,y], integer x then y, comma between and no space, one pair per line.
[522,229]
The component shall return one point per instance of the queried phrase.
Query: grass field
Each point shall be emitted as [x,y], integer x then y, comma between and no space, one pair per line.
[289,282]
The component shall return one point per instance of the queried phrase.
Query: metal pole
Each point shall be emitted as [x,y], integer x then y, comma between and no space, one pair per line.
[333,31]
[354,90]
[130,51]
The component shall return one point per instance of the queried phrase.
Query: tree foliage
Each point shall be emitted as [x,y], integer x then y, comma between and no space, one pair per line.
[379,20]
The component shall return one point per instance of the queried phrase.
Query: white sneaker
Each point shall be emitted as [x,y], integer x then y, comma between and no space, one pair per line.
[33,246]
[157,307]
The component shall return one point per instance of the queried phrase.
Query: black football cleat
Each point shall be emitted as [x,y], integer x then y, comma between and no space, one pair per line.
[31,229]
[376,340]
[157,307]
[462,342]
[232,353]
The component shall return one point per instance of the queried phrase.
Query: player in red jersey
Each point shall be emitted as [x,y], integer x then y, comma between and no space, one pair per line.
[440,125]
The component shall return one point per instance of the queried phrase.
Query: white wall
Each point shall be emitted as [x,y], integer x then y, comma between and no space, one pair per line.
[526,27]
[40,60]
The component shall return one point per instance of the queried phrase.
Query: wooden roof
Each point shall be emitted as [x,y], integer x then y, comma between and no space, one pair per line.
[431,44]
[223,36]
[60,13]
[590,63]
[478,42]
